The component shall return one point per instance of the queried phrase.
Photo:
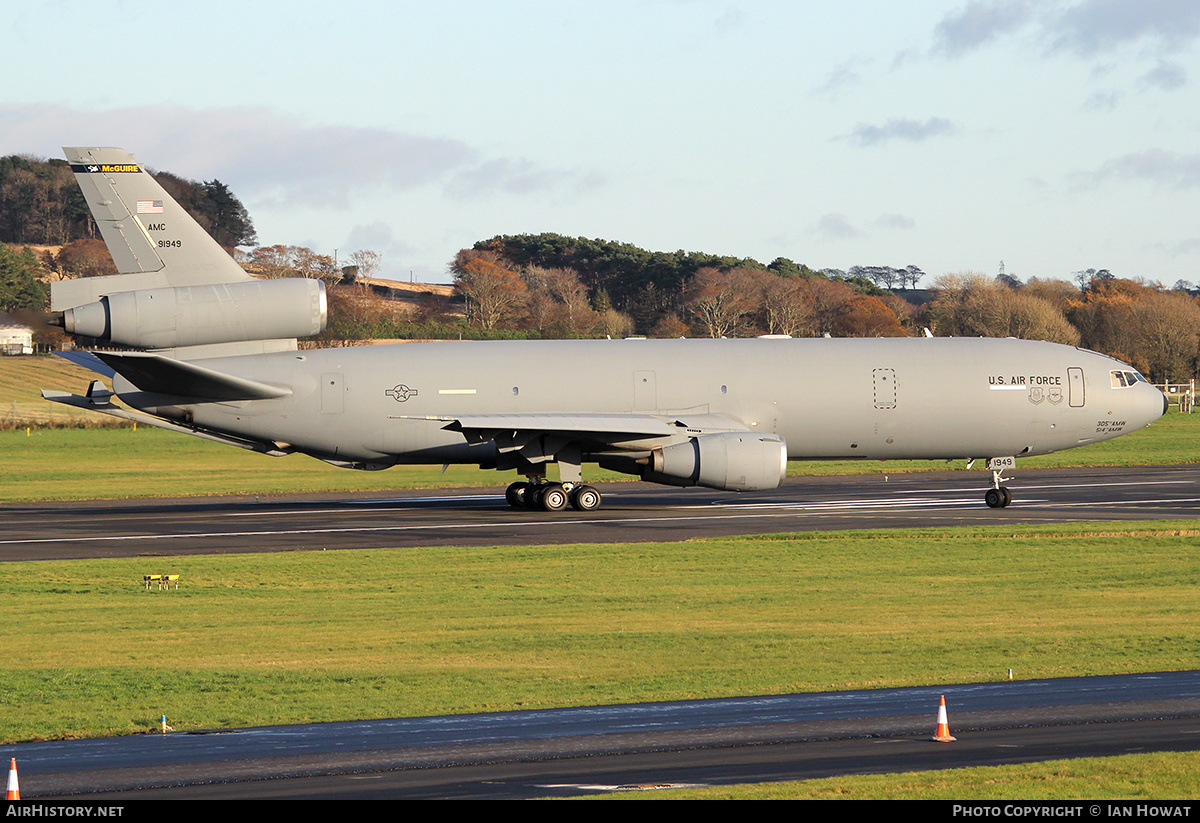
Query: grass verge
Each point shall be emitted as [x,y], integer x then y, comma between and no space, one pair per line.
[313,636]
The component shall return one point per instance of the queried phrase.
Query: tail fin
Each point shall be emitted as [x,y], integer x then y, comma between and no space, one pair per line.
[178,289]
[154,242]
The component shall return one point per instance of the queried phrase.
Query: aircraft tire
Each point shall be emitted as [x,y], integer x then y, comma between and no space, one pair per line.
[585,499]
[553,498]
[994,498]
[1007,496]
[515,494]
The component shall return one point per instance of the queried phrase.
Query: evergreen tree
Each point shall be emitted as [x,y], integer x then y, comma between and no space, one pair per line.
[19,286]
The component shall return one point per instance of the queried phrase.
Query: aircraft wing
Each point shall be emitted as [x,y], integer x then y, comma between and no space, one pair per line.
[162,375]
[540,438]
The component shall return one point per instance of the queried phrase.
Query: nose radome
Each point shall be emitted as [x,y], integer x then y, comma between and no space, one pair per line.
[1151,406]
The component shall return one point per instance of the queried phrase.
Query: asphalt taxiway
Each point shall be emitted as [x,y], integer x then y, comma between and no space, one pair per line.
[631,512]
[534,754]
[599,749]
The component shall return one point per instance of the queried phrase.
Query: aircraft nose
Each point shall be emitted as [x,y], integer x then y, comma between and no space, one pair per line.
[1152,404]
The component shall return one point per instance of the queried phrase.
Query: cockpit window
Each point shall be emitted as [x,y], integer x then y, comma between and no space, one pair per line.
[1125,379]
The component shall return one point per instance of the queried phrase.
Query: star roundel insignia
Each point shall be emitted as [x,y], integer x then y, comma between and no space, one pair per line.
[401,393]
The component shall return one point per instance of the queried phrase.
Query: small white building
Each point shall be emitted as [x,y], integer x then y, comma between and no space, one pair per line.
[15,338]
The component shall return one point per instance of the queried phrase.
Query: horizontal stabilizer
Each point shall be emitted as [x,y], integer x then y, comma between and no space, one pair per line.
[162,375]
[102,402]
[88,361]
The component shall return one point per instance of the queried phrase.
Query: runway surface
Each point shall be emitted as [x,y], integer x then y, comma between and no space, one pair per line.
[602,749]
[631,512]
[588,750]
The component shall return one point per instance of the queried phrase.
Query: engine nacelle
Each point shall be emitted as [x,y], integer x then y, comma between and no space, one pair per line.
[733,461]
[198,315]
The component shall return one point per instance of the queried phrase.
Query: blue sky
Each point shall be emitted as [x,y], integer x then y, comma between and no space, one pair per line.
[1054,136]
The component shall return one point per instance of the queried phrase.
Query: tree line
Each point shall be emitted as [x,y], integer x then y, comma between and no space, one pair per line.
[1154,328]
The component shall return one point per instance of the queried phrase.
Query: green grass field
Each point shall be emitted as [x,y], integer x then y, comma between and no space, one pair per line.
[308,636]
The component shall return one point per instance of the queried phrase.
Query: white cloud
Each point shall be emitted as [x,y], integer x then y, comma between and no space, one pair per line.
[1161,168]
[978,24]
[1102,101]
[865,134]
[834,226]
[1166,76]
[840,79]
[896,222]
[272,157]
[1087,28]
[1097,26]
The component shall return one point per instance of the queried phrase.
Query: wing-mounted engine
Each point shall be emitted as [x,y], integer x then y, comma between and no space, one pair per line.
[731,461]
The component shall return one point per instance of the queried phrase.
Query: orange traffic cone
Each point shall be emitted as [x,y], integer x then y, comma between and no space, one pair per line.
[942,735]
[14,790]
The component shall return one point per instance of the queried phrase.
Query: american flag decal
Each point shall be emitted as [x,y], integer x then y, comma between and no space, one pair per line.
[149,207]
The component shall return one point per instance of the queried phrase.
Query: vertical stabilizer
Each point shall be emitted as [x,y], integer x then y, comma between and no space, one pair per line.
[154,242]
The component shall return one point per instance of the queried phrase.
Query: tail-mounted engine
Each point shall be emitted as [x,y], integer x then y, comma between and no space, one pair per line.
[198,315]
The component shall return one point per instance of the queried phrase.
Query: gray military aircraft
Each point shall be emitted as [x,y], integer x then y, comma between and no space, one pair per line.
[218,359]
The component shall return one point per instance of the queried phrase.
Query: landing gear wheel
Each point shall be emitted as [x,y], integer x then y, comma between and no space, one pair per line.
[515,494]
[997,498]
[552,498]
[585,498]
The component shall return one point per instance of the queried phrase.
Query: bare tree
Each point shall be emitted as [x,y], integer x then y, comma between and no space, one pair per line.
[721,302]
[366,263]
[493,292]
[788,307]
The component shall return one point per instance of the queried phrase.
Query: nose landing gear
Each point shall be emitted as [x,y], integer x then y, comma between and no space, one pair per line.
[998,496]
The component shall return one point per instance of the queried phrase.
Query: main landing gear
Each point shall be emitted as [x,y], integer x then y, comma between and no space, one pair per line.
[552,497]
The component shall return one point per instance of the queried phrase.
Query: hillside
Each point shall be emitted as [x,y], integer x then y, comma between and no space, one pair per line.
[21,382]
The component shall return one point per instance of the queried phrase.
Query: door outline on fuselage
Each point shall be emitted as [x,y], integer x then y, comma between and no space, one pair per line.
[884,388]
[1075,387]
[645,391]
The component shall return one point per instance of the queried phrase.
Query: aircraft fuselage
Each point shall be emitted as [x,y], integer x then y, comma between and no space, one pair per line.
[907,398]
